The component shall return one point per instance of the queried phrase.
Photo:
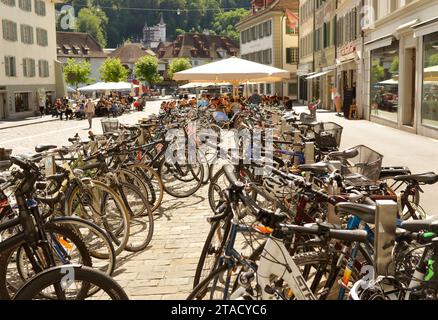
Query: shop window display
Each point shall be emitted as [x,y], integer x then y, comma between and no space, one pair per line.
[430,81]
[384,82]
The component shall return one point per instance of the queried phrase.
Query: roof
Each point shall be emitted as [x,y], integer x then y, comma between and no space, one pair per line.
[194,45]
[78,45]
[258,8]
[131,52]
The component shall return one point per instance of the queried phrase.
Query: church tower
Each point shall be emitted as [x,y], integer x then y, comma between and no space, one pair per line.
[162,29]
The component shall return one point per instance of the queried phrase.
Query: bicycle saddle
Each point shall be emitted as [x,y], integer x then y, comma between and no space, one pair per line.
[421,225]
[427,178]
[344,155]
[366,213]
[41,148]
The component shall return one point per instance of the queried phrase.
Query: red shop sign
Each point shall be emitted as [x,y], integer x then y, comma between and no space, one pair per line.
[348,48]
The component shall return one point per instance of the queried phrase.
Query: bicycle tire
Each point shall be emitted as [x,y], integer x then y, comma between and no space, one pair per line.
[120,244]
[5,293]
[143,217]
[55,275]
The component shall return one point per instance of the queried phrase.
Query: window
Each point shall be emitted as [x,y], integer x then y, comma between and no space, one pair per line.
[22,101]
[429,110]
[292,55]
[384,82]
[26,34]
[10,66]
[292,89]
[43,68]
[42,37]
[9,30]
[10,3]
[40,7]
[25,5]
[29,67]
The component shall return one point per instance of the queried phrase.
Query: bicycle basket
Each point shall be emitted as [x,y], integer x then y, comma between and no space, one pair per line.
[110,125]
[367,164]
[328,135]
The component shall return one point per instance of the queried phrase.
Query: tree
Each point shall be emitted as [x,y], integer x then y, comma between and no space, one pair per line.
[77,72]
[225,22]
[146,69]
[177,65]
[93,21]
[112,70]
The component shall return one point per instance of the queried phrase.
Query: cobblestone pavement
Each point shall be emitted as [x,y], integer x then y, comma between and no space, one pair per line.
[165,270]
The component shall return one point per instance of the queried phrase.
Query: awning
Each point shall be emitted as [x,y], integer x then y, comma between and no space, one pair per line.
[425,27]
[379,43]
[317,75]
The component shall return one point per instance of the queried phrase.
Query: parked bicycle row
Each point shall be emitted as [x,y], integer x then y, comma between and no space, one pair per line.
[293,217]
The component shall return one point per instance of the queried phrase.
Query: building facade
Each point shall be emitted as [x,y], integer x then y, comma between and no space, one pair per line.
[349,53]
[29,70]
[306,42]
[80,47]
[401,65]
[199,49]
[324,58]
[266,38]
[152,36]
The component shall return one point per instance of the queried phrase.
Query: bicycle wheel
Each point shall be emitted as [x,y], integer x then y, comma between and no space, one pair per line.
[15,267]
[215,286]
[97,202]
[153,182]
[212,250]
[61,283]
[141,220]
[181,180]
[97,241]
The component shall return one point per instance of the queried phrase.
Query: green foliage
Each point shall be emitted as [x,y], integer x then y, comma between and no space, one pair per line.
[76,73]
[395,65]
[93,21]
[432,61]
[146,69]
[112,70]
[225,22]
[122,24]
[377,72]
[178,65]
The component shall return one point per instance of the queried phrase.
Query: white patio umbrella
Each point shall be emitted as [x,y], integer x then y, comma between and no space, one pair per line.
[108,86]
[234,71]
[192,85]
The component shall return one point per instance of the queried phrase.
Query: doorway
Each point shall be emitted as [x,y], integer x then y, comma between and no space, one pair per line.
[409,87]
[2,106]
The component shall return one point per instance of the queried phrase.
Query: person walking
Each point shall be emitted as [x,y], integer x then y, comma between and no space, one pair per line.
[89,111]
[42,105]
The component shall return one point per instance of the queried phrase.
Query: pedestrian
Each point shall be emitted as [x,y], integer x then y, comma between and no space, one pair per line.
[42,106]
[89,111]
[255,98]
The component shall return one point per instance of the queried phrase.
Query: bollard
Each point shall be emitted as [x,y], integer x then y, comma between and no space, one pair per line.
[297,146]
[385,228]
[309,152]
[50,165]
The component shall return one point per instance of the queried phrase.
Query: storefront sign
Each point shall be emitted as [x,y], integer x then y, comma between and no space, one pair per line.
[348,48]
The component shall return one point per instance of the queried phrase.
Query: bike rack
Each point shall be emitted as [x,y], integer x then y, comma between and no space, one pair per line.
[385,234]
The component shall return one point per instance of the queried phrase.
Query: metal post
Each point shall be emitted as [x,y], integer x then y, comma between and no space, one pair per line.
[297,146]
[386,218]
[309,152]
